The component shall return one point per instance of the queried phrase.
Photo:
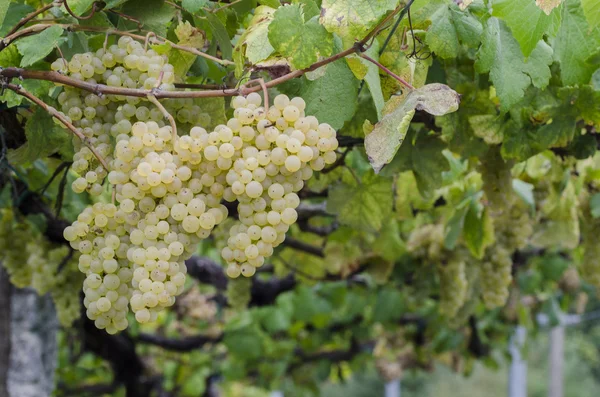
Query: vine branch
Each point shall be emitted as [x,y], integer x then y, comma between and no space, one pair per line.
[20,91]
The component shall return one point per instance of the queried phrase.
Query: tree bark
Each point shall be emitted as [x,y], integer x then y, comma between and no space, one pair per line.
[33,345]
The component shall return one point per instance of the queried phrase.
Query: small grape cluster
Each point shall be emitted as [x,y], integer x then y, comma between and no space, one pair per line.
[453,286]
[590,262]
[32,261]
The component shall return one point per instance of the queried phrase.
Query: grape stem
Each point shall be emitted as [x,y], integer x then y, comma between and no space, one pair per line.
[96,6]
[152,98]
[261,83]
[389,72]
[20,91]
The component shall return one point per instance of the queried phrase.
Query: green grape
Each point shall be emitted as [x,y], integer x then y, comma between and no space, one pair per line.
[238,293]
[453,286]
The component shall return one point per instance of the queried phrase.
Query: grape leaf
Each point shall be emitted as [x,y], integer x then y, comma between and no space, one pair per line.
[575,43]
[387,136]
[352,19]
[14,14]
[193,6]
[219,32]
[561,226]
[389,243]
[363,206]
[591,10]
[547,5]
[396,58]
[80,6]
[595,205]
[270,3]
[490,127]
[421,154]
[4,5]
[154,15]
[527,21]
[586,100]
[501,56]
[302,42]
[478,231]
[36,47]
[256,36]
[44,138]
[331,98]
[368,71]
[448,26]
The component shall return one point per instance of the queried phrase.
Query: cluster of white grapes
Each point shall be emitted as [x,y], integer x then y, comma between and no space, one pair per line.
[427,243]
[32,261]
[512,228]
[169,185]
[102,118]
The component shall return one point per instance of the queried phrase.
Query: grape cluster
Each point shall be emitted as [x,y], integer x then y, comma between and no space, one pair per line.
[453,286]
[265,158]
[32,261]
[590,262]
[239,293]
[102,118]
[512,227]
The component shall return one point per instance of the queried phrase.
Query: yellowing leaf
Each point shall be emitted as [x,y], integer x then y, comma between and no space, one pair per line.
[387,136]
[547,5]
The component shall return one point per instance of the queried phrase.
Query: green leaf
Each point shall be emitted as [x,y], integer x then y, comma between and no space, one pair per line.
[525,191]
[79,7]
[387,136]
[591,10]
[331,98]
[456,224]
[353,19]
[193,6]
[154,15]
[423,155]
[478,230]
[15,12]
[501,56]
[270,3]
[4,5]
[364,206]
[245,343]
[561,226]
[220,33]
[389,244]
[388,306]
[36,47]
[527,21]
[575,43]
[44,138]
[585,99]
[302,42]
[490,127]
[595,205]
[448,26]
